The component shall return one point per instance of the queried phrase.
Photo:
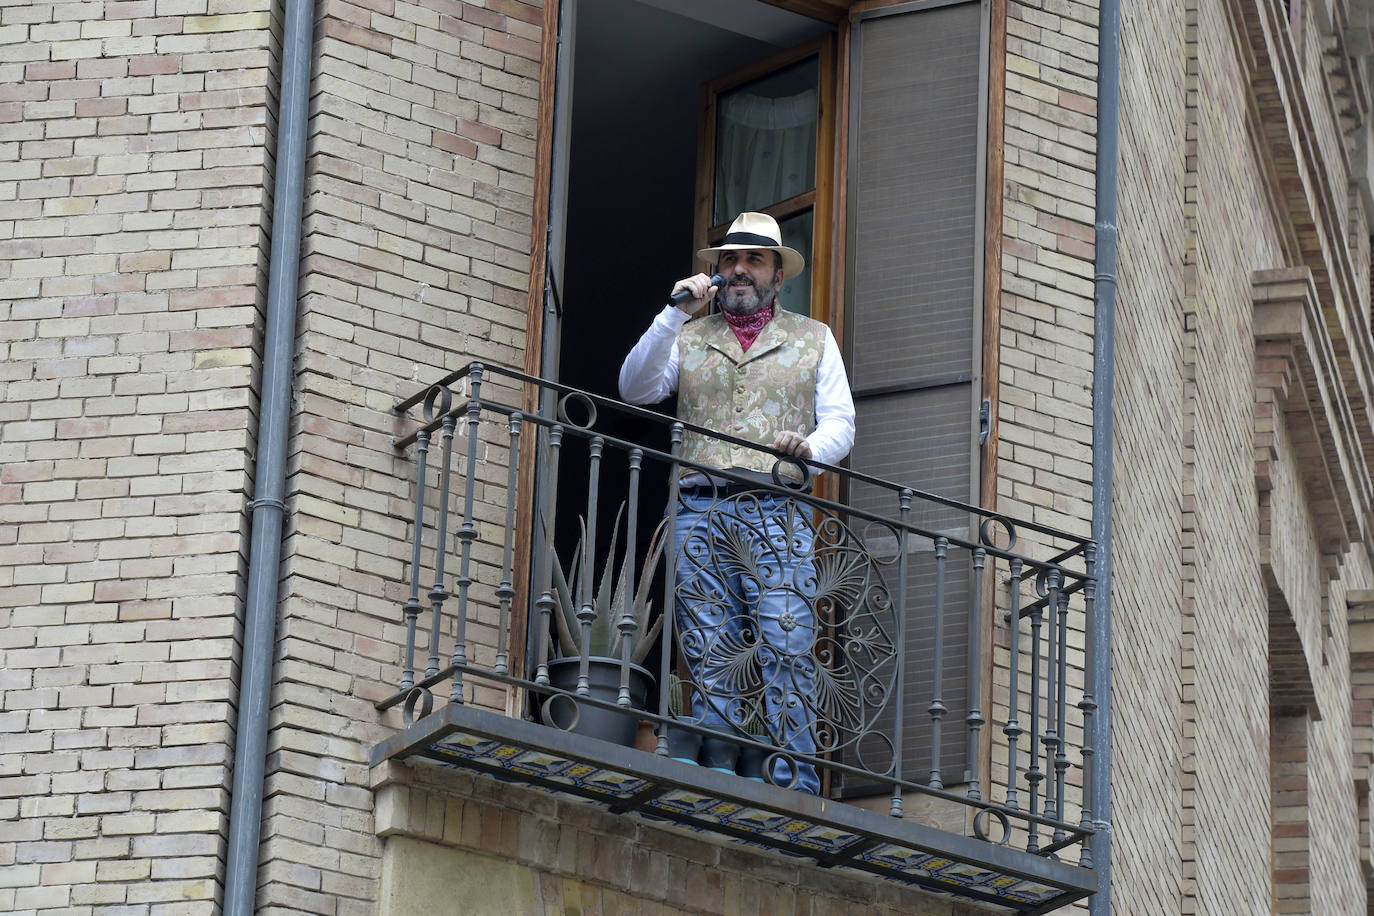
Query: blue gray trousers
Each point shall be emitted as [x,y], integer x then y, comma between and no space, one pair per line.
[744,613]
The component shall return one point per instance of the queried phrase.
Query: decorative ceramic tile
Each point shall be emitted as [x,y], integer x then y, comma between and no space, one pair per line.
[684,802]
[537,763]
[904,859]
[762,820]
[967,875]
[516,761]
[1030,892]
[991,881]
[826,839]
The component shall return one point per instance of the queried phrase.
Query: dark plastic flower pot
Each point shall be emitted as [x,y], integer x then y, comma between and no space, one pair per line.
[684,745]
[750,762]
[603,674]
[719,753]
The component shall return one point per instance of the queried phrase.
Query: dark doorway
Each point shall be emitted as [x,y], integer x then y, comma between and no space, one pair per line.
[638,66]
[626,233]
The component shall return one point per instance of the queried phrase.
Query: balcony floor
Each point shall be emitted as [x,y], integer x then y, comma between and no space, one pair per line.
[660,789]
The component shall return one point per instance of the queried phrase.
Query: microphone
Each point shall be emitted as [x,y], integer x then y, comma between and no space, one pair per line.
[683,296]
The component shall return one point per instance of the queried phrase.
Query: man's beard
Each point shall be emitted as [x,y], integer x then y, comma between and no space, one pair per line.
[747,300]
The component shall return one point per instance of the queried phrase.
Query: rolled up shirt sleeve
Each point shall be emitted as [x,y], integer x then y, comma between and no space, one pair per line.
[649,373]
[834,433]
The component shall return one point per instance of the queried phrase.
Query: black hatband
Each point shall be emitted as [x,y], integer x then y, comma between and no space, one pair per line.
[752,239]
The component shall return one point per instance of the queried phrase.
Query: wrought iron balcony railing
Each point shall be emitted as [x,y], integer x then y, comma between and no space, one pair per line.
[789,636]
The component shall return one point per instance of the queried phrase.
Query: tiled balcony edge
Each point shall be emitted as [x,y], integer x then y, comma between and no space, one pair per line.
[656,776]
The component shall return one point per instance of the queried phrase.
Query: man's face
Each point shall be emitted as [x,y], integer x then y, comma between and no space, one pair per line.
[752,278]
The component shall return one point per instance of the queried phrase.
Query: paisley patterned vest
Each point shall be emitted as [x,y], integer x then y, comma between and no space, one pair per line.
[751,395]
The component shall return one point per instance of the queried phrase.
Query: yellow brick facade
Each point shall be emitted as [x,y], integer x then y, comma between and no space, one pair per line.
[136,151]
[134,175]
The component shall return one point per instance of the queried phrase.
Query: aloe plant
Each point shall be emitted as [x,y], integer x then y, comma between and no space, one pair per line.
[613,592]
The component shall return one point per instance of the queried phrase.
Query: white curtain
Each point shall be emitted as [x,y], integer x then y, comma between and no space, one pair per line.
[766,151]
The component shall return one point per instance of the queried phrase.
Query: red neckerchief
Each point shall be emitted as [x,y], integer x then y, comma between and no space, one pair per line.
[748,327]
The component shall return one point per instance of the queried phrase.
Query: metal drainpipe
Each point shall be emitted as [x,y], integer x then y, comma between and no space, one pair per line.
[1104,382]
[264,559]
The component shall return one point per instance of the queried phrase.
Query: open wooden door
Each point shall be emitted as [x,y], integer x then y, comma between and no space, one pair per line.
[915,220]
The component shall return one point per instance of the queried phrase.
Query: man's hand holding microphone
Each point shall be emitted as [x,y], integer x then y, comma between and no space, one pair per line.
[692,294]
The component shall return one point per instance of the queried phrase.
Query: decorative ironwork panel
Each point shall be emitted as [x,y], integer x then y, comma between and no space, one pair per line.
[812,638]
[788,615]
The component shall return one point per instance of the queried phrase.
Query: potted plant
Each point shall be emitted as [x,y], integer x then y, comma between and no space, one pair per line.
[683,744]
[721,753]
[614,596]
[752,758]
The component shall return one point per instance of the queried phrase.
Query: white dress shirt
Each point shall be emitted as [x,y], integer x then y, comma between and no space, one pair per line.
[649,374]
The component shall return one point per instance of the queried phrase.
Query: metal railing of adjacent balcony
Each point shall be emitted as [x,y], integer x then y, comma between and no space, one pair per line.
[816,671]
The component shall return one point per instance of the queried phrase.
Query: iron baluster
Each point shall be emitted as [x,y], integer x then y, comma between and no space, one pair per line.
[626,624]
[1088,703]
[937,707]
[412,605]
[586,612]
[1013,727]
[546,603]
[438,594]
[466,535]
[1061,756]
[505,592]
[903,569]
[1053,645]
[665,663]
[974,719]
[1034,774]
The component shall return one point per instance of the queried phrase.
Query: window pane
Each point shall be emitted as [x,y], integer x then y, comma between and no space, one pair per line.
[766,140]
[796,291]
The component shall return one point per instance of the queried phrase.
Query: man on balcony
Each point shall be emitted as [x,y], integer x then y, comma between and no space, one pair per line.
[745,580]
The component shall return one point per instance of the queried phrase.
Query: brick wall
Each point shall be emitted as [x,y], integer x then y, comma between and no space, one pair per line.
[415,261]
[1192,660]
[1044,391]
[506,849]
[134,141]
[1149,495]
[133,162]
[1337,878]
[1228,698]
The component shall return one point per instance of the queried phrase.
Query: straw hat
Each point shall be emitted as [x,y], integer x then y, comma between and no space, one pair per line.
[756,230]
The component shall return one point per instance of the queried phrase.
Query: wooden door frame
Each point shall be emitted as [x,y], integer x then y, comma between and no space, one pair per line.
[839,13]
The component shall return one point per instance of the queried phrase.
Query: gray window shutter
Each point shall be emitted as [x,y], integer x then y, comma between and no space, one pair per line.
[913,321]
